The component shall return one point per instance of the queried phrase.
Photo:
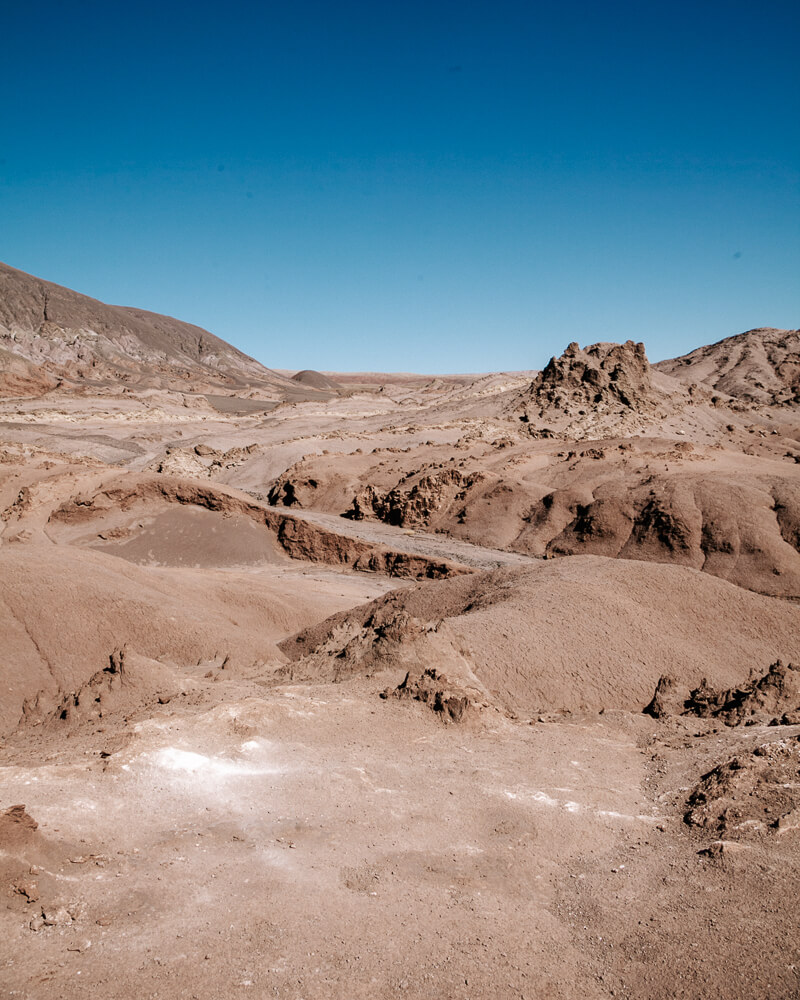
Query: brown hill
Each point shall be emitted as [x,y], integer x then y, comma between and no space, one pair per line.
[574,634]
[65,611]
[759,366]
[734,516]
[71,336]
[316,380]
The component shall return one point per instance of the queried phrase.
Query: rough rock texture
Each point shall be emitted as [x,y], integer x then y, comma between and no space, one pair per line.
[80,339]
[385,637]
[668,505]
[20,377]
[751,794]
[576,634]
[298,538]
[583,385]
[759,366]
[452,700]
[127,681]
[415,506]
[669,698]
[744,531]
[773,697]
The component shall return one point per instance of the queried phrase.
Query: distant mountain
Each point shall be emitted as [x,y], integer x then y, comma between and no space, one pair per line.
[760,366]
[50,333]
[315,379]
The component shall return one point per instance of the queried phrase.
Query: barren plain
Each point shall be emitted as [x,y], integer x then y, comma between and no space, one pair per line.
[318,685]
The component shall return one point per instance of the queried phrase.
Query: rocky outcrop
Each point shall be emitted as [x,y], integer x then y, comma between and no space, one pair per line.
[746,532]
[577,634]
[303,540]
[415,506]
[585,387]
[202,461]
[126,682]
[451,699]
[389,638]
[752,794]
[773,697]
[291,491]
[300,539]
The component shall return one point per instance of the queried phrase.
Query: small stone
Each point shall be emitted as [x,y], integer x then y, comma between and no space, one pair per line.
[56,917]
[27,888]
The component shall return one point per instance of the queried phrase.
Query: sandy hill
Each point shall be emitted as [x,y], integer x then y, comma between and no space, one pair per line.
[760,366]
[314,379]
[65,610]
[581,633]
[71,336]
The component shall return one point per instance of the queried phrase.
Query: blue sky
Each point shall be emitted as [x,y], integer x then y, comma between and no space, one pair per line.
[418,187]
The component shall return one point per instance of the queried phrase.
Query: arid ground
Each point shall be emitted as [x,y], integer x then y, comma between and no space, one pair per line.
[324,685]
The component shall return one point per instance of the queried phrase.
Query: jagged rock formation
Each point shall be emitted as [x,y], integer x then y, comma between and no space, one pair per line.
[201,461]
[452,699]
[601,383]
[126,682]
[666,501]
[751,794]
[747,532]
[297,538]
[759,366]
[773,698]
[70,336]
[415,506]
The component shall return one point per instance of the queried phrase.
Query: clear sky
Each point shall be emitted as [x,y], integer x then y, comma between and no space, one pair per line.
[419,186]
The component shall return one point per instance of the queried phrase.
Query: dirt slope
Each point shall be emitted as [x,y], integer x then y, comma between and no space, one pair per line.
[759,366]
[65,610]
[734,516]
[73,336]
[314,379]
[574,634]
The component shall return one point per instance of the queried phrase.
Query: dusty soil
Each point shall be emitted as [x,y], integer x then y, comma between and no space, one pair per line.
[376,686]
[283,844]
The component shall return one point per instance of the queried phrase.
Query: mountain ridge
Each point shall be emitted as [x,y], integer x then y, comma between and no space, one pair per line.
[75,337]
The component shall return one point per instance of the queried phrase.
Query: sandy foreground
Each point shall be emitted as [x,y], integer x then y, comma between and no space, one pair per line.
[321,842]
[341,693]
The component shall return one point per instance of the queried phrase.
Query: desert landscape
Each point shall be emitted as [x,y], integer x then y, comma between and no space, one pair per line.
[323,684]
